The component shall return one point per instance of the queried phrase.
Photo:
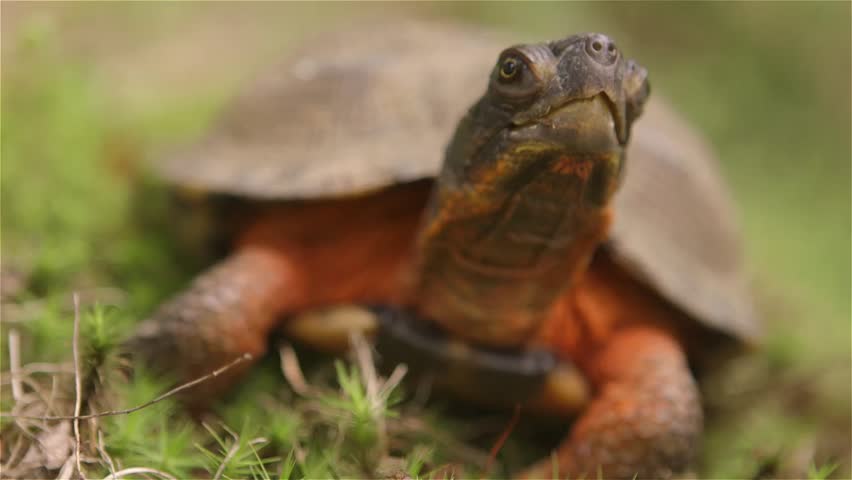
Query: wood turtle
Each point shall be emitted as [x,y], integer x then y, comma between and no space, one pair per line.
[549,224]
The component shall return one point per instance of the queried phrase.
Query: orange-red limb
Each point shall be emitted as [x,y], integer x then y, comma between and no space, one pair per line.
[289,256]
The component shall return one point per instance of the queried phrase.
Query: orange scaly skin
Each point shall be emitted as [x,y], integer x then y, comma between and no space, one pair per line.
[349,251]
[288,257]
[226,312]
[646,408]
[645,418]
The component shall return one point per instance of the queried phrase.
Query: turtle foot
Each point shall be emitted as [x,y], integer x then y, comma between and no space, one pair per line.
[646,419]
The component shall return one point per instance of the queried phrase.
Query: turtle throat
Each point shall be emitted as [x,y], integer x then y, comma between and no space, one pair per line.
[489,267]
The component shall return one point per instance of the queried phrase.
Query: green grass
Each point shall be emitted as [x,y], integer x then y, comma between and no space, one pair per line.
[79,214]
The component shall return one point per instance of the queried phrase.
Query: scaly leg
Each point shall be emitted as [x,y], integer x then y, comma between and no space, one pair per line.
[228,311]
[645,420]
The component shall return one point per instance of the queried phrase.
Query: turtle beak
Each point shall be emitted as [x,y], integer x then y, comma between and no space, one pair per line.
[617,111]
[637,90]
[586,125]
[626,105]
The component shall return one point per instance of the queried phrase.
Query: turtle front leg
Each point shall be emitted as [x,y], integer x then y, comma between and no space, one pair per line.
[646,419]
[226,312]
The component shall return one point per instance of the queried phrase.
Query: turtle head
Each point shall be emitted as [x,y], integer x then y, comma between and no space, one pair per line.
[565,106]
[556,84]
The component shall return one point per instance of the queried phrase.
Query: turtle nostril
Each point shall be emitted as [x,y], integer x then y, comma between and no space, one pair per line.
[601,49]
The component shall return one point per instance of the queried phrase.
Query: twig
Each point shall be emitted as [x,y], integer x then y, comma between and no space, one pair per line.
[245,357]
[134,470]
[78,384]
[15,363]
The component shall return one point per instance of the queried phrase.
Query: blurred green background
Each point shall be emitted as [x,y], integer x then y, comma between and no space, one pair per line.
[90,91]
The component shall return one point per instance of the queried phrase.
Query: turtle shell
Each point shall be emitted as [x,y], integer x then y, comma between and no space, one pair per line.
[355,112]
[676,228]
[361,110]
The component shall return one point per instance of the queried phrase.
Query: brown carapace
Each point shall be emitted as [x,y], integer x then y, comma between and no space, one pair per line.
[521,242]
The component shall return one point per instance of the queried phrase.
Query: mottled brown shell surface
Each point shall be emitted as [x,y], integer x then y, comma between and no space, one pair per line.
[352,112]
[364,109]
[676,228]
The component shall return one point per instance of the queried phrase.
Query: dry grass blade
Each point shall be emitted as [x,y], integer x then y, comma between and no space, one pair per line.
[235,448]
[22,402]
[78,385]
[104,455]
[292,370]
[393,380]
[14,455]
[364,357]
[36,445]
[136,470]
[31,368]
[15,363]
[67,469]
[51,400]
[377,391]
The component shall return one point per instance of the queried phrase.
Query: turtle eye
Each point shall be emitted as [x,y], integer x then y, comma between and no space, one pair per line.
[514,77]
[509,68]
